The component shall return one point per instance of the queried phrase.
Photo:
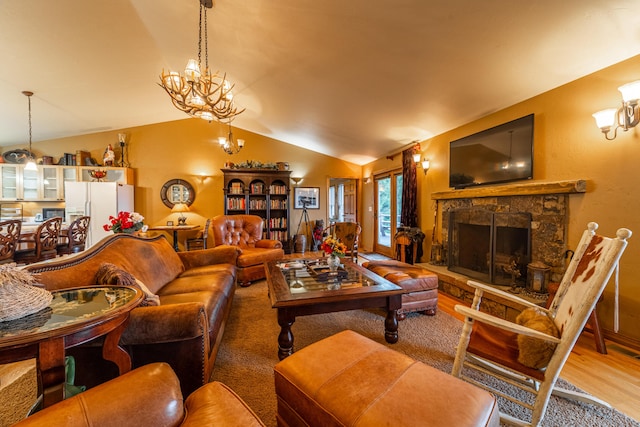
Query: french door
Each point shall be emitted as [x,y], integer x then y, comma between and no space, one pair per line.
[388,207]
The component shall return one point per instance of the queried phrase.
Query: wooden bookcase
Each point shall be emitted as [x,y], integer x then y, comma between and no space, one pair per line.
[262,192]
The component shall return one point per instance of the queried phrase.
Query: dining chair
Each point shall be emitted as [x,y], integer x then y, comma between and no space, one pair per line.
[530,352]
[73,239]
[9,235]
[199,242]
[349,234]
[40,245]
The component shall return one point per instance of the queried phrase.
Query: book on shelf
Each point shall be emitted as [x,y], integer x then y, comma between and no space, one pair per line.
[278,189]
[236,188]
[236,204]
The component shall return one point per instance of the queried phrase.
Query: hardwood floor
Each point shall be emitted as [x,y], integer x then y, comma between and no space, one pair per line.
[612,377]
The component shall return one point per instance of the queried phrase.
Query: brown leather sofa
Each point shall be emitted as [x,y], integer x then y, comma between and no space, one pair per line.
[147,396]
[245,232]
[195,289]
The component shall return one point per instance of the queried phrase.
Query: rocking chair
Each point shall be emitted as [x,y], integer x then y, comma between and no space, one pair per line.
[495,346]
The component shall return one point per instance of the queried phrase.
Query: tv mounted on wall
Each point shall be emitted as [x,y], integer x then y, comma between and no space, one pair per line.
[501,154]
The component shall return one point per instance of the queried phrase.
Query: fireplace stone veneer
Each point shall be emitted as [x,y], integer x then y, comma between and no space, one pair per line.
[548,231]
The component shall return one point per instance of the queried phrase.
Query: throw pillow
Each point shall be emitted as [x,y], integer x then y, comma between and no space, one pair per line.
[534,352]
[110,274]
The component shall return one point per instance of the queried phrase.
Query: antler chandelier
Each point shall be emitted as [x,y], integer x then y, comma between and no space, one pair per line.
[200,93]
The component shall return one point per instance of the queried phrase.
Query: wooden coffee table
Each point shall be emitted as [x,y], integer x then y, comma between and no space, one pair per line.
[302,287]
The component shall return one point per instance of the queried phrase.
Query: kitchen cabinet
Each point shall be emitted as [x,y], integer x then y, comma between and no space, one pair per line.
[47,183]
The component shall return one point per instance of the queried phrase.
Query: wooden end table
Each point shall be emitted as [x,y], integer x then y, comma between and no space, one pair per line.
[74,316]
[302,287]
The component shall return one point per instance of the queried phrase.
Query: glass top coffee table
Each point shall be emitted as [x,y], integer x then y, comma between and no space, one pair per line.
[73,317]
[304,287]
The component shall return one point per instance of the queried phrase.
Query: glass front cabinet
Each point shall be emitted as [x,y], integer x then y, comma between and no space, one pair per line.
[47,183]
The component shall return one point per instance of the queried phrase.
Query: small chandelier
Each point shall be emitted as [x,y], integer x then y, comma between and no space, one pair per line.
[31,163]
[625,117]
[229,145]
[201,93]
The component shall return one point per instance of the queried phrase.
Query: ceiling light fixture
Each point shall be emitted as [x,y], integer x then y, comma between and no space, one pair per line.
[625,117]
[229,145]
[31,163]
[201,93]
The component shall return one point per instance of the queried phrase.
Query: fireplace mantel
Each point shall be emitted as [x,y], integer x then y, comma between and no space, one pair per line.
[528,189]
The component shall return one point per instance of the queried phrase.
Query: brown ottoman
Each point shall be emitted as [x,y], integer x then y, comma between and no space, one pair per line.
[420,285]
[350,380]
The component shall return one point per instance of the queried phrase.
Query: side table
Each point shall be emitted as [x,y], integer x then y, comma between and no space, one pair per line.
[74,316]
[174,229]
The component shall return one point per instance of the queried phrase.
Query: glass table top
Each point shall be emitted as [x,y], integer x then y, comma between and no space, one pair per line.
[307,275]
[68,308]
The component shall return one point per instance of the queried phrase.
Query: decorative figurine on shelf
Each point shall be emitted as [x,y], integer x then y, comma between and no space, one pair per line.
[109,156]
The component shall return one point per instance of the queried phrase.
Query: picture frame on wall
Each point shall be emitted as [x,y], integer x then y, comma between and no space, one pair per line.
[308,197]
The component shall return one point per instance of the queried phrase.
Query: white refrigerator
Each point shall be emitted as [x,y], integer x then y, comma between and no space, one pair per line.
[99,200]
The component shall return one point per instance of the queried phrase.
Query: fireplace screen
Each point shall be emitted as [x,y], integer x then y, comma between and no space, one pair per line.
[493,247]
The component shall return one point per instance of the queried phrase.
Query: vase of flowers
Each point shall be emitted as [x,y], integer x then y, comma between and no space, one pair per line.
[125,222]
[334,248]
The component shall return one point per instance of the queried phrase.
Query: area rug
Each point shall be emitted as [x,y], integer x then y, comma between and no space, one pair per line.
[249,351]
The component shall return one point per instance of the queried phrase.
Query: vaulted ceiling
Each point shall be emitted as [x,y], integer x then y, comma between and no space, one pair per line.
[352,79]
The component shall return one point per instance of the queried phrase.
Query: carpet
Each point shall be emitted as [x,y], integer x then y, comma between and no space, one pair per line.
[249,351]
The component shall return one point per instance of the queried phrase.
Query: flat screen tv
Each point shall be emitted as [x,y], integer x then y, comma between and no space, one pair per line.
[501,154]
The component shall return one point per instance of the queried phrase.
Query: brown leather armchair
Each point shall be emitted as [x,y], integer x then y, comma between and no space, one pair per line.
[147,396]
[245,232]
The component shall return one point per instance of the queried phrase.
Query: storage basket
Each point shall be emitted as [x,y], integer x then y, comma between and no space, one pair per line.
[19,297]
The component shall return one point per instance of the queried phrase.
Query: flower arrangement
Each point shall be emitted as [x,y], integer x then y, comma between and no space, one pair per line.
[125,222]
[333,246]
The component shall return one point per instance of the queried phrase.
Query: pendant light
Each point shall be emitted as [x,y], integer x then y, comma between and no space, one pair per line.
[31,163]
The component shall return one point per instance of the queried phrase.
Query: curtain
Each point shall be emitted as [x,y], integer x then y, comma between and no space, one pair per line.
[409,213]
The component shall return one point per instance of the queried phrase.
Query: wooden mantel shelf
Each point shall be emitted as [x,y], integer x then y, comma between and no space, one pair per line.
[529,189]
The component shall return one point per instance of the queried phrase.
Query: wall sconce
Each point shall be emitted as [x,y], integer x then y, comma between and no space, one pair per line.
[625,117]
[424,163]
[425,166]
[367,179]
[297,180]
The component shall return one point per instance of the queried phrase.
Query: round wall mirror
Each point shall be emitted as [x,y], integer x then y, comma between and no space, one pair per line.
[177,191]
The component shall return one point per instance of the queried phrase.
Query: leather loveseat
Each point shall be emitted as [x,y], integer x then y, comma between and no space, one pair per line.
[195,290]
[245,232]
[147,396]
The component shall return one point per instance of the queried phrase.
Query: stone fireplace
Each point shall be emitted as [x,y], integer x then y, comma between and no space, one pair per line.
[483,235]
[508,213]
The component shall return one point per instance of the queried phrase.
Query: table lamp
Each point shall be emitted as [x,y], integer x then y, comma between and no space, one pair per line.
[181,207]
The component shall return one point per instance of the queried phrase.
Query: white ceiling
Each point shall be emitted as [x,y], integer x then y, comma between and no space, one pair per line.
[353,79]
